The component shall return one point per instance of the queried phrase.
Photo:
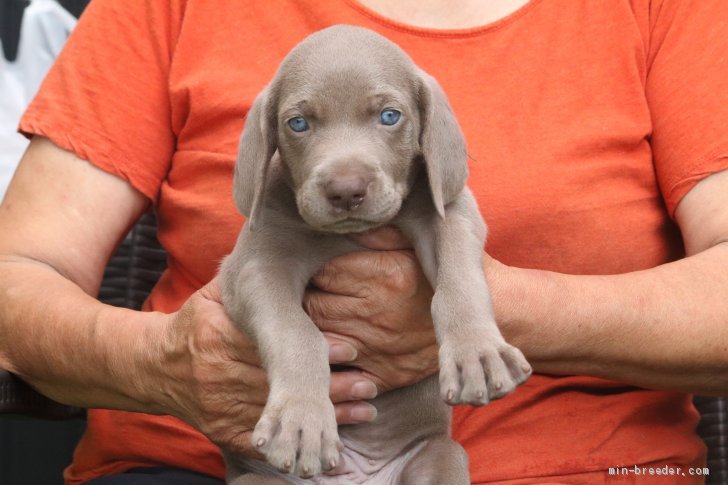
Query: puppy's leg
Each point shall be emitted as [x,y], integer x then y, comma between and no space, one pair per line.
[262,282]
[440,461]
[476,363]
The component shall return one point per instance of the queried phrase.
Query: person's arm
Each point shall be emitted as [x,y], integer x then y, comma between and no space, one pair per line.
[661,328]
[61,219]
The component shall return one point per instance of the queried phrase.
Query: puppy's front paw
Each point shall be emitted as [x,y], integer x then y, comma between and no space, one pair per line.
[479,368]
[298,435]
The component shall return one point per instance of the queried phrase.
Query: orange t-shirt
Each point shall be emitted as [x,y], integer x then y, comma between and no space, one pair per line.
[586,121]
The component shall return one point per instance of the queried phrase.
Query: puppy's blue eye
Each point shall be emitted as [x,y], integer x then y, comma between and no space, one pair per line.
[389,117]
[298,124]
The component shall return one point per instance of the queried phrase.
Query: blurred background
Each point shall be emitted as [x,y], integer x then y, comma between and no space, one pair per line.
[32,33]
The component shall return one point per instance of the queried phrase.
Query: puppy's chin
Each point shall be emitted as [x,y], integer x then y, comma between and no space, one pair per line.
[349,222]
[343,225]
[349,226]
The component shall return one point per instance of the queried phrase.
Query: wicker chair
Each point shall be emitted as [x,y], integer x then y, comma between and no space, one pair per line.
[713,428]
[136,267]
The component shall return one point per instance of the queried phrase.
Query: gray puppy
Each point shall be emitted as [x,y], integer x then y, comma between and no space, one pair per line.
[350,135]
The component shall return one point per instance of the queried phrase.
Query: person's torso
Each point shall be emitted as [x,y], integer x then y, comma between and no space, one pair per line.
[552,103]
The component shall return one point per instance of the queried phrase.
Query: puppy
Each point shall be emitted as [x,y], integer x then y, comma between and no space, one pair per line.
[349,136]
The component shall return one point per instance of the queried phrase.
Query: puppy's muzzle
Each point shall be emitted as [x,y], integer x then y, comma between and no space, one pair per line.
[346,191]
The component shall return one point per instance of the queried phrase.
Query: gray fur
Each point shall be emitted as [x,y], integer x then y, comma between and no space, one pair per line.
[340,79]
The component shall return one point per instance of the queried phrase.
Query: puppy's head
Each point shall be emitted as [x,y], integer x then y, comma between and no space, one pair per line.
[353,120]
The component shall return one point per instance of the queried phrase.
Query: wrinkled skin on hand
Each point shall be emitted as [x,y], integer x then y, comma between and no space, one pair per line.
[214,377]
[378,301]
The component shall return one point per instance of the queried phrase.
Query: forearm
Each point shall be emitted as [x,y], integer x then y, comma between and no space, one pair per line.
[664,328]
[71,347]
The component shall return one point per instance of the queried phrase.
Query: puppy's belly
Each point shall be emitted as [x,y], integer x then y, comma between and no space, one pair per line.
[353,469]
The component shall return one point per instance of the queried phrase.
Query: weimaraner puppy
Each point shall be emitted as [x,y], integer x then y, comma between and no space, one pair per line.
[350,135]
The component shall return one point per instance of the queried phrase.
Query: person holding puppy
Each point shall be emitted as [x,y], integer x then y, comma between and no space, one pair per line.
[598,159]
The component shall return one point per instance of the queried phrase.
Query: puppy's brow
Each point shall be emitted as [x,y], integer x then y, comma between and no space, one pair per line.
[379,100]
[302,107]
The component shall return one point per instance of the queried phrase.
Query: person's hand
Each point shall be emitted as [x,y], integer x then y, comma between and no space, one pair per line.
[376,303]
[212,376]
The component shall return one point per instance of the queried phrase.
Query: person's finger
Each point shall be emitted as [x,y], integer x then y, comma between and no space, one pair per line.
[387,238]
[340,352]
[354,412]
[351,386]
[346,274]
[329,308]
[351,274]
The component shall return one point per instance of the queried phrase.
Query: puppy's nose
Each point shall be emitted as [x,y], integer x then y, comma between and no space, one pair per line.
[347,191]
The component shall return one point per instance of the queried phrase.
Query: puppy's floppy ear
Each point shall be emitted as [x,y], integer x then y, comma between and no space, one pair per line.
[258,143]
[442,144]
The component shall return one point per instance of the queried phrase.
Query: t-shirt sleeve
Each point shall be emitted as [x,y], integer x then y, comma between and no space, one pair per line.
[687,91]
[106,98]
